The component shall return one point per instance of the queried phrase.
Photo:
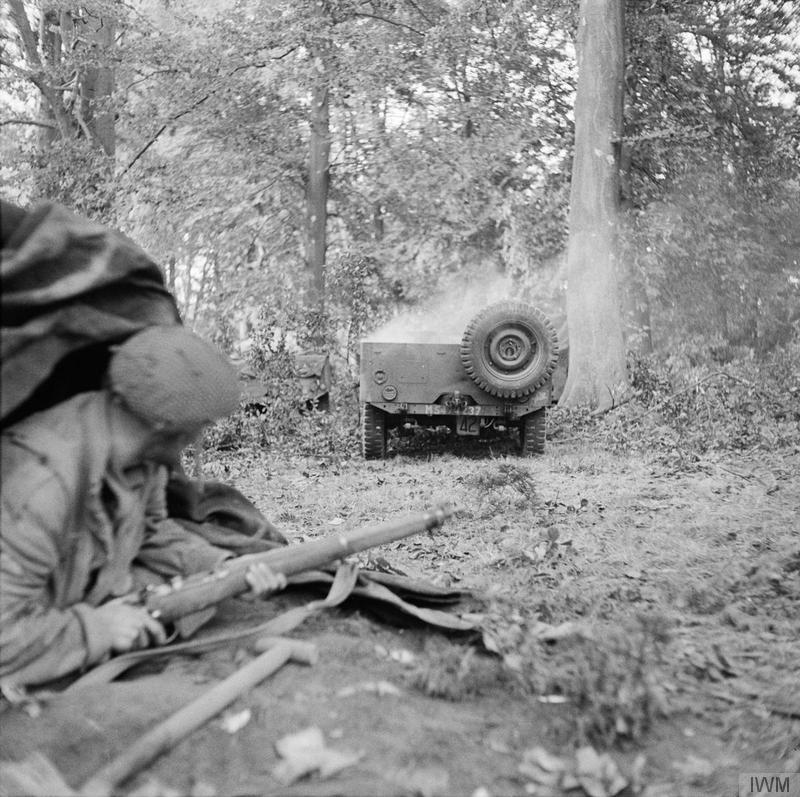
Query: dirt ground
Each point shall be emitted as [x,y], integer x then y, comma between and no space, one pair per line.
[628,608]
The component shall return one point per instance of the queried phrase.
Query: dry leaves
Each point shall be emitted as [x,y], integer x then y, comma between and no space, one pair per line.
[305,752]
[430,781]
[233,721]
[551,775]
[694,769]
[379,688]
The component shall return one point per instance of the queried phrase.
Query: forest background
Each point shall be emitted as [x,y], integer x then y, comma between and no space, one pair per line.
[307,171]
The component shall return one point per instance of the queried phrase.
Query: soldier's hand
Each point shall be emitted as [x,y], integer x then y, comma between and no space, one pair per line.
[130,627]
[263,580]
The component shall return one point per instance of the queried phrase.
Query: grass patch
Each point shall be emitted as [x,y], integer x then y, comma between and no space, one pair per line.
[456,672]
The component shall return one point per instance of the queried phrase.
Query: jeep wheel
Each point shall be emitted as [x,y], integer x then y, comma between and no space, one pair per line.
[532,433]
[373,433]
[509,349]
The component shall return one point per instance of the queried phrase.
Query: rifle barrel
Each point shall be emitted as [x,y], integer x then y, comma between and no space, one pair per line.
[198,592]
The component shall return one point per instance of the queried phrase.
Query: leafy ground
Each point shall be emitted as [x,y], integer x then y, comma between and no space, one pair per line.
[629,607]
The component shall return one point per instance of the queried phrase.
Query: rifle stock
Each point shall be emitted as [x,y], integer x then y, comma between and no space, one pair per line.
[197,592]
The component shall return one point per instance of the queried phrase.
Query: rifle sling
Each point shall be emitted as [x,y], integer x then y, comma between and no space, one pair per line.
[412,590]
[347,583]
[342,586]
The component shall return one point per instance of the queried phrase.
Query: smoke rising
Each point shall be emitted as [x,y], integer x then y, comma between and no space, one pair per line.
[444,317]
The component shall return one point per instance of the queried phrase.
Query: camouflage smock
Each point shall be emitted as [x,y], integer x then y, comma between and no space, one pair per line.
[72,534]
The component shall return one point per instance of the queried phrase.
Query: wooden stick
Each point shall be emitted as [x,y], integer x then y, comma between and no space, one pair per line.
[175,728]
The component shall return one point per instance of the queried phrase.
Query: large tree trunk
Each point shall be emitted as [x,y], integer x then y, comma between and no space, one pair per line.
[597,374]
[317,196]
[97,84]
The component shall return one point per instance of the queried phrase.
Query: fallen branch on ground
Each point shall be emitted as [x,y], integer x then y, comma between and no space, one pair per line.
[693,387]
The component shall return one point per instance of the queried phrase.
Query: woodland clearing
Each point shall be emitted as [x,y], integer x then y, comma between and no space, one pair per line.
[305,176]
[628,606]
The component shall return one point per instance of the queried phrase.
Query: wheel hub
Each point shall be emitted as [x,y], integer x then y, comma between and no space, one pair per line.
[510,350]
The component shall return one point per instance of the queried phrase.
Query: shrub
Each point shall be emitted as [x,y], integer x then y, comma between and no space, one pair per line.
[285,424]
[684,409]
[611,677]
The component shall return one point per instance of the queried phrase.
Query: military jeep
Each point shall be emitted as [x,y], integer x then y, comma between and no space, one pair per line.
[499,375]
[313,373]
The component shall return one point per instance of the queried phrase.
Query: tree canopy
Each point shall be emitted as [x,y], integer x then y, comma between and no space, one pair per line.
[450,132]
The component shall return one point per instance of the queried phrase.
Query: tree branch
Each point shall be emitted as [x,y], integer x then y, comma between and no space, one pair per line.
[162,129]
[27,122]
[283,55]
[192,107]
[147,77]
[36,76]
[420,12]
[694,387]
[390,22]
[26,73]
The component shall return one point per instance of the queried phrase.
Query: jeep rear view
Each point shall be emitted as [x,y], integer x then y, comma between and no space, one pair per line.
[498,375]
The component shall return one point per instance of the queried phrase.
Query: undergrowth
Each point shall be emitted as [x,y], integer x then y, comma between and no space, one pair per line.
[286,423]
[609,672]
[681,411]
[456,672]
[612,678]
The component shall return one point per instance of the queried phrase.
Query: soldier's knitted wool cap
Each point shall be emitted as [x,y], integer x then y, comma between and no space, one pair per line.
[172,379]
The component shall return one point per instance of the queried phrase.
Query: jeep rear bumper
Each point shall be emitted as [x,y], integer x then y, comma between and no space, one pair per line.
[511,411]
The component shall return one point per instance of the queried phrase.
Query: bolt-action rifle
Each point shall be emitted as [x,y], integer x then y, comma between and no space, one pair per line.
[186,596]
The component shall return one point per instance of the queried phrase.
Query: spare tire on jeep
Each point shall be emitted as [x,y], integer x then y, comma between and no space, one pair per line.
[509,349]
